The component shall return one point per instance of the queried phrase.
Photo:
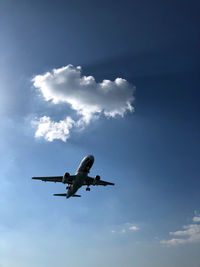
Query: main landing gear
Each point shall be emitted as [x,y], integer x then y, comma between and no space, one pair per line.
[87,188]
[68,187]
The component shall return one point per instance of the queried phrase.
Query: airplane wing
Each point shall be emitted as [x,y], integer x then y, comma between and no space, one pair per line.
[55,179]
[90,181]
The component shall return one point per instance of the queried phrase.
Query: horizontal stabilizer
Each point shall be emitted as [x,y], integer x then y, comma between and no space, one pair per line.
[60,195]
[76,195]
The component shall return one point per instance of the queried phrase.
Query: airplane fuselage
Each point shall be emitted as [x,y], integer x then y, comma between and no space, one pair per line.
[81,175]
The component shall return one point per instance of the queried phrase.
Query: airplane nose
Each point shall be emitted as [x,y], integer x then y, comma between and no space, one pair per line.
[92,157]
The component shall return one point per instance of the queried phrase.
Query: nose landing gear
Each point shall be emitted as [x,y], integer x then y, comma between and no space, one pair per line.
[87,188]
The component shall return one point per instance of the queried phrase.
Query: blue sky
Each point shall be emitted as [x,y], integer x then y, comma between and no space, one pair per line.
[152,215]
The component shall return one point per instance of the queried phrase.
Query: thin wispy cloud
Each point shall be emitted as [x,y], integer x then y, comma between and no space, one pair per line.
[86,97]
[133,228]
[125,228]
[196,219]
[189,234]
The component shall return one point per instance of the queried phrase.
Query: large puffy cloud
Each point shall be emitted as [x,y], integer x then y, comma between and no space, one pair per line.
[85,96]
[189,234]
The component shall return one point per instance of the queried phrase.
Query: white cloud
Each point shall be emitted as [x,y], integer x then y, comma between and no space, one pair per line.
[196,219]
[85,96]
[133,228]
[53,130]
[189,234]
[125,228]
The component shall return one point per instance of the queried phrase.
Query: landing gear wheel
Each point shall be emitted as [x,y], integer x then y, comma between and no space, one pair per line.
[68,187]
[87,189]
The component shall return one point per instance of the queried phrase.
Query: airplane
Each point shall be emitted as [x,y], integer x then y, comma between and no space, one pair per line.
[76,181]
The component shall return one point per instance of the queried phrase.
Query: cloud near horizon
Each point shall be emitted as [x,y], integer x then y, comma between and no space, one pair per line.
[88,98]
[189,234]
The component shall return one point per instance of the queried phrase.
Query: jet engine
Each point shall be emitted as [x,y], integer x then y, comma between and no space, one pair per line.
[96,179]
[65,178]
